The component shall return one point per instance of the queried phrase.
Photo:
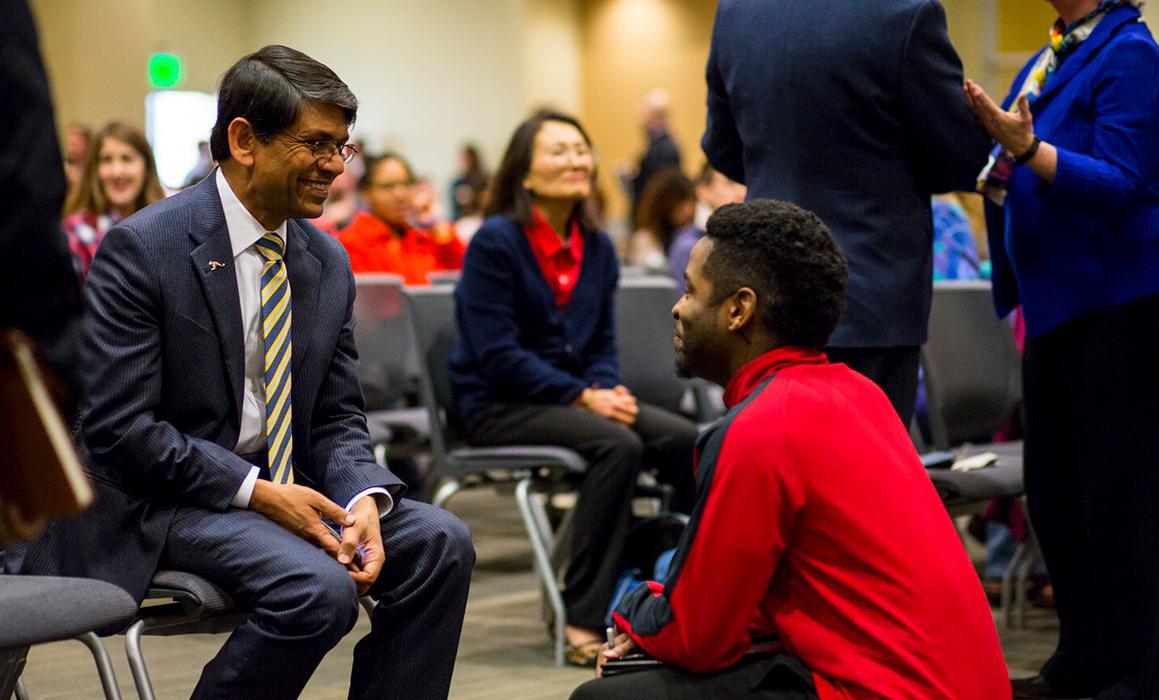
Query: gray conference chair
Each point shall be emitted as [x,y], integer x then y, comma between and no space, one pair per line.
[388,366]
[972,381]
[536,470]
[644,341]
[443,277]
[41,609]
[973,386]
[176,603]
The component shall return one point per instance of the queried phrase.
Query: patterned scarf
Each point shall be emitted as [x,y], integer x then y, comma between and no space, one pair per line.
[994,180]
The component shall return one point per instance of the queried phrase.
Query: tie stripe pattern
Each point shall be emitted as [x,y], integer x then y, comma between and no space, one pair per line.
[276,323]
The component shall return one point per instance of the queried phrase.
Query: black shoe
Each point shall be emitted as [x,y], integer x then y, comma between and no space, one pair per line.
[1039,687]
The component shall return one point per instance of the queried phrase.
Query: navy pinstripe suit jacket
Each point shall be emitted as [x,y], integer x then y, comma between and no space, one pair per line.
[163,367]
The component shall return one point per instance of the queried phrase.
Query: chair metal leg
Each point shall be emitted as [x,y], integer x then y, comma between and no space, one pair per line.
[368,604]
[1009,577]
[21,691]
[1024,571]
[534,521]
[11,666]
[448,489]
[104,665]
[137,661]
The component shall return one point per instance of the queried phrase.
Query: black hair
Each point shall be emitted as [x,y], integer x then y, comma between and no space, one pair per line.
[788,258]
[372,164]
[267,89]
[508,195]
[474,160]
[662,196]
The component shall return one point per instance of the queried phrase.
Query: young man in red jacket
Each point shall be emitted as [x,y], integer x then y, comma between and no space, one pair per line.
[814,519]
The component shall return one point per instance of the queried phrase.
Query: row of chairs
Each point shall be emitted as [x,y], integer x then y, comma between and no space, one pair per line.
[405,336]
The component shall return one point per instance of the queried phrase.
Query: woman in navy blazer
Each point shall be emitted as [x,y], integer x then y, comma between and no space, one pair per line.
[536,358]
[1074,235]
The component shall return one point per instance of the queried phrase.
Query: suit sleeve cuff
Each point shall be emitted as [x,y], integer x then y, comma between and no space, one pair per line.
[382,498]
[241,499]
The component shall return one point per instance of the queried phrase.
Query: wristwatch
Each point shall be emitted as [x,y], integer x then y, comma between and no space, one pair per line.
[1019,160]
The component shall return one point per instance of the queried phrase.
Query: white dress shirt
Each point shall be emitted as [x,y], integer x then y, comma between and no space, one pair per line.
[244,232]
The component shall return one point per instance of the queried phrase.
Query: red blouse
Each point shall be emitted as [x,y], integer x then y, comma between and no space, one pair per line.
[558,259]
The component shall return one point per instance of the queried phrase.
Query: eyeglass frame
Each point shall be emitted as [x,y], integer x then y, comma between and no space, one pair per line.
[346,151]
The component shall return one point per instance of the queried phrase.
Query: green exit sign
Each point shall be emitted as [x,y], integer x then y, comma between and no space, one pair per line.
[164,69]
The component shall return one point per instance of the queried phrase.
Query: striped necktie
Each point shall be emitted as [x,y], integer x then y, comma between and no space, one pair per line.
[276,320]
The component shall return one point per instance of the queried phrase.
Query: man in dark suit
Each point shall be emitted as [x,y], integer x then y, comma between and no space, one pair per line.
[853,110]
[222,420]
[661,152]
[39,292]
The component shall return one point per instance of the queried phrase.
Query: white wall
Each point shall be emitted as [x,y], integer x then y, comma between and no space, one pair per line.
[432,74]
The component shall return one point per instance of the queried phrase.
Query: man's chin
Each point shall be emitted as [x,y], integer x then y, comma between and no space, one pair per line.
[308,210]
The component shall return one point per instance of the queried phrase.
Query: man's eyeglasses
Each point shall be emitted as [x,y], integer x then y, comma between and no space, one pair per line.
[324,149]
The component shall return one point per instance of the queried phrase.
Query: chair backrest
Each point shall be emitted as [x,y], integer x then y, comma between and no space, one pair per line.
[440,277]
[387,360]
[644,340]
[432,315]
[971,365]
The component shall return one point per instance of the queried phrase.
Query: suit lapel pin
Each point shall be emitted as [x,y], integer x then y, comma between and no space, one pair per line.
[213,265]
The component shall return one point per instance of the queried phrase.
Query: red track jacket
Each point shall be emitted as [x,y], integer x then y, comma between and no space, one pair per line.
[815,520]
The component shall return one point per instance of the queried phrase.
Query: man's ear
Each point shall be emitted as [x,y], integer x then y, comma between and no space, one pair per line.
[742,309]
[242,141]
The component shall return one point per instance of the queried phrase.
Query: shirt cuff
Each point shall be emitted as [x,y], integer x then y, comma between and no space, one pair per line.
[382,497]
[241,499]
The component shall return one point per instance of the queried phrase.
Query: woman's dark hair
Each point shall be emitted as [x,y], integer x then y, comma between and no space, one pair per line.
[508,195]
[372,164]
[787,256]
[474,161]
[267,89]
[664,193]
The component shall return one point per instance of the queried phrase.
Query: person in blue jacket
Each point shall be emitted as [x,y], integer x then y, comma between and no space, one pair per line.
[536,359]
[1073,220]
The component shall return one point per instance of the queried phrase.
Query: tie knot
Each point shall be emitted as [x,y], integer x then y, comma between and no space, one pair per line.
[271,247]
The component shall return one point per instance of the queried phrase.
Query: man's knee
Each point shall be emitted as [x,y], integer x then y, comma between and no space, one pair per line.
[453,541]
[618,444]
[323,605]
[590,690]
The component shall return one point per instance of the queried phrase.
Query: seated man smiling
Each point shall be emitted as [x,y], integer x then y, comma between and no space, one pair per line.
[814,519]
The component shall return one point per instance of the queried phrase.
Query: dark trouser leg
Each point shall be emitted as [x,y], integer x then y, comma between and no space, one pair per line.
[422,594]
[600,518]
[303,600]
[669,441]
[895,370]
[1092,465]
[1053,480]
[776,678]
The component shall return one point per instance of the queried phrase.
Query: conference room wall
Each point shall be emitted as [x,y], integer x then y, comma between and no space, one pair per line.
[433,74]
[96,51]
[430,74]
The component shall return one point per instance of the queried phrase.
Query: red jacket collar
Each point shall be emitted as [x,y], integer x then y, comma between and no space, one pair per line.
[755,371]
